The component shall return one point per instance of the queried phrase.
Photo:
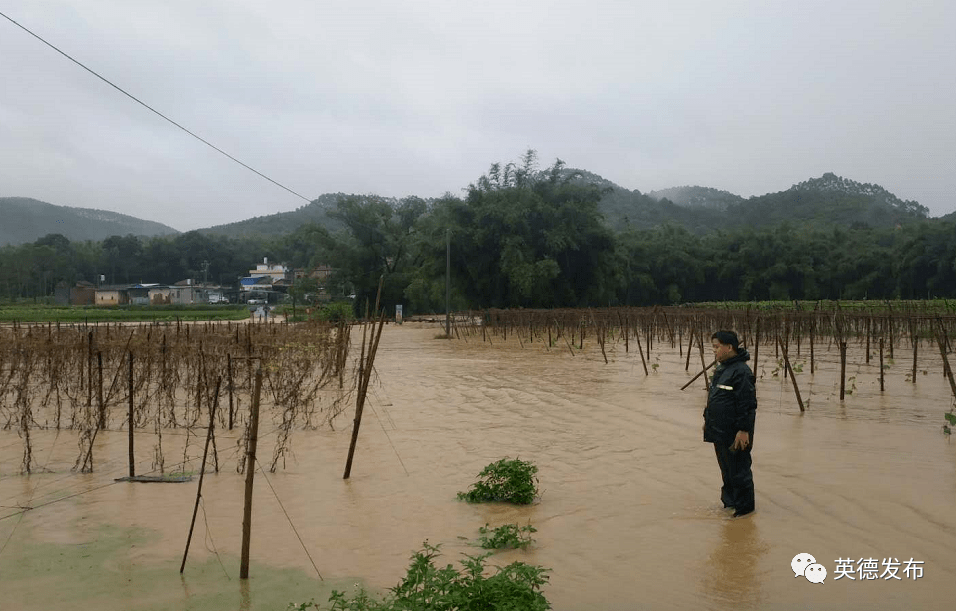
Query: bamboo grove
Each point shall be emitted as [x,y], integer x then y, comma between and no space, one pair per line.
[89,379]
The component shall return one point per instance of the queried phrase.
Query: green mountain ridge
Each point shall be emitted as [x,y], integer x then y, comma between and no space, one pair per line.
[827,201]
[26,220]
[697,197]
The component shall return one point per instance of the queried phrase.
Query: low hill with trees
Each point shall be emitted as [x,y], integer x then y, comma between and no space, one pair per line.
[26,220]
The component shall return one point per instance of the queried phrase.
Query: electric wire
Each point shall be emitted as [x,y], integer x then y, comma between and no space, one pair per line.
[150,108]
[281,506]
[202,504]
[15,526]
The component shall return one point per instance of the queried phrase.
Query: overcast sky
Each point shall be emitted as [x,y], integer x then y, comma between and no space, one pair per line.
[404,98]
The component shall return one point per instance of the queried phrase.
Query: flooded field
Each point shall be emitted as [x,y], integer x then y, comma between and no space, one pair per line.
[629,516]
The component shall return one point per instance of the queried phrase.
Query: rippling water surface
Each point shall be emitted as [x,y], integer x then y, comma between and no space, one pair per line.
[629,516]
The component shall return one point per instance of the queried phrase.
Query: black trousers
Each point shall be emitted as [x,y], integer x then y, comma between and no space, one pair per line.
[738,479]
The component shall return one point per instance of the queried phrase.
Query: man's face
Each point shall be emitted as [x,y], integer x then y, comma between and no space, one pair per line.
[722,352]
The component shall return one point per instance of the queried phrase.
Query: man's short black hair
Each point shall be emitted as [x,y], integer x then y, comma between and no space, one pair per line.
[728,338]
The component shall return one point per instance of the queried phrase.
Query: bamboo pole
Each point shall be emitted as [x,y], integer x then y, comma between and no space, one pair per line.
[699,373]
[202,472]
[365,373]
[793,378]
[250,475]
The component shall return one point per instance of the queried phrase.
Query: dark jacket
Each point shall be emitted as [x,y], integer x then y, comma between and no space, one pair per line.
[732,402]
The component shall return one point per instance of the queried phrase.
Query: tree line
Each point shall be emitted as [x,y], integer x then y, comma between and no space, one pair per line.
[523,237]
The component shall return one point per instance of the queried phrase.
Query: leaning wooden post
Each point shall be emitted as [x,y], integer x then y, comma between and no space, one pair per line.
[641,349]
[690,348]
[813,323]
[703,363]
[943,340]
[250,475]
[202,472]
[786,363]
[842,369]
[132,467]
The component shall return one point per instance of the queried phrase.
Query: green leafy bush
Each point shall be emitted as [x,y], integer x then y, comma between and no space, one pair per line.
[337,311]
[508,536]
[516,587]
[511,481]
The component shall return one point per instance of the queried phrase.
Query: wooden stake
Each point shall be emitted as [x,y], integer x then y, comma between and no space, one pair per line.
[915,340]
[943,340]
[99,395]
[690,347]
[132,465]
[703,363]
[641,349]
[881,365]
[842,369]
[250,475]
[229,374]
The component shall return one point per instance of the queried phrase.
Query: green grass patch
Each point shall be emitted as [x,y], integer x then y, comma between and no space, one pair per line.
[159,313]
[510,481]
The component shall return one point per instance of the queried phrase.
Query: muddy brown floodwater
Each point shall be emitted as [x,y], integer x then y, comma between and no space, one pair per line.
[629,516]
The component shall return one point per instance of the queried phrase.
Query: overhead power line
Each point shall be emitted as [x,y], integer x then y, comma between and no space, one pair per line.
[150,108]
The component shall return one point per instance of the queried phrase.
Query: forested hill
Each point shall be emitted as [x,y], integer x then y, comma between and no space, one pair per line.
[284,222]
[829,201]
[697,197]
[26,220]
[825,202]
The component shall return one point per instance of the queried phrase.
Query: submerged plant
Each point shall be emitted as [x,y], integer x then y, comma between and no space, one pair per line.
[511,481]
[509,536]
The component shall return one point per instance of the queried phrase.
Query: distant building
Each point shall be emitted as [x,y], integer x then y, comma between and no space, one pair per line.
[275,272]
[82,293]
[112,296]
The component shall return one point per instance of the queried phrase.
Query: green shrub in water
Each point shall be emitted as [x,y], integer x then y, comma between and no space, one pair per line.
[511,481]
[509,536]
[516,587]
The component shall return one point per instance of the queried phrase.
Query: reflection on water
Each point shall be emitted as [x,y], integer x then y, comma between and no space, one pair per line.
[734,564]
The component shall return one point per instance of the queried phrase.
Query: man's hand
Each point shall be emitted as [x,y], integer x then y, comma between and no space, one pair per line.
[741,441]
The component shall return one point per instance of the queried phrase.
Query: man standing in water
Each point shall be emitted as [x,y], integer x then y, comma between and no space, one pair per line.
[729,421]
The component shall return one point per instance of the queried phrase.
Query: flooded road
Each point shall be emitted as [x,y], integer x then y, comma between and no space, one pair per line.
[629,515]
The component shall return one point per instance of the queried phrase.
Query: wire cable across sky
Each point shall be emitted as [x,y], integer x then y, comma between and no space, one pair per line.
[150,108]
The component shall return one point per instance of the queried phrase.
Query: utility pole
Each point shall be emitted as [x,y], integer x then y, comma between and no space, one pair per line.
[448,283]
